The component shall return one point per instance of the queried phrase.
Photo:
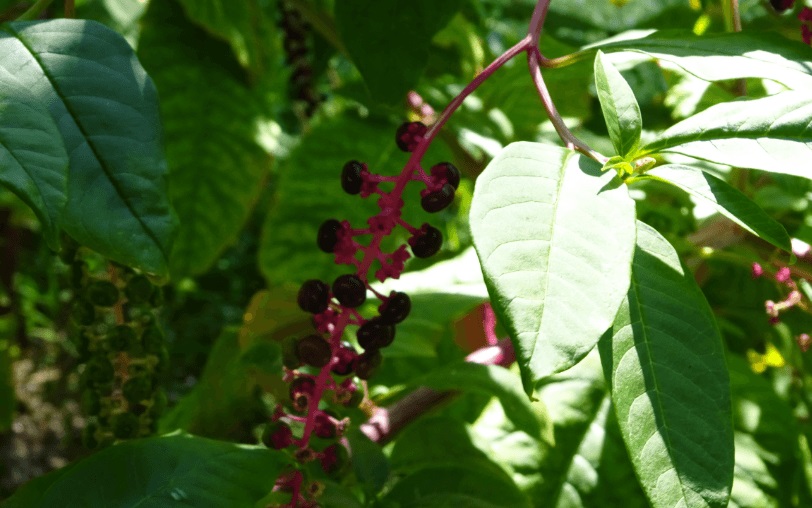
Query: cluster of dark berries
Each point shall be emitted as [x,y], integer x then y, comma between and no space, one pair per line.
[123,350]
[295,43]
[322,361]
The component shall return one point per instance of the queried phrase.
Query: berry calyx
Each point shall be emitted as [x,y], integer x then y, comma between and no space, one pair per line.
[314,296]
[396,308]
[426,242]
[345,358]
[328,235]
[313,350]
[277,435]
[349,290]
[409,134]
[375,334]
[367,363]
[351,180]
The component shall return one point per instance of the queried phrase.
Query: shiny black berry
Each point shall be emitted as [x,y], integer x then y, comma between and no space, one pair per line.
[102,293]
[137,389]
[314,296]
[396,308]
[367,363]
[437,200]
[409,134]
[448,172]
[375,334]
[313,350]
[125,425]
[350,290]
[346,355]
[328,235]
[426,242]
[139,290]
[782,5]
[351,180]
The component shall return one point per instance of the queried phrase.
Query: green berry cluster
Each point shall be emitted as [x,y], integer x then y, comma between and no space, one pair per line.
[121,347]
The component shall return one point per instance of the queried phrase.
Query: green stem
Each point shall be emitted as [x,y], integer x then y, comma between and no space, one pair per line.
[34,11]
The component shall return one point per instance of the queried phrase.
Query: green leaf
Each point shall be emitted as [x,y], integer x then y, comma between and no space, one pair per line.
[248,26]
[162,471]
[490,380]
[106,109]
[730,202]
[619,106]
[724,56]
[8,398]
[368,461]
[664,361]
[555,244]
[391,46]
[216,165]
[771,134]
[444,485]
[33,160]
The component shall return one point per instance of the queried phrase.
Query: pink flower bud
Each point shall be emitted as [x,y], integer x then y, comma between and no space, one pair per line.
[757,270]
[783,275]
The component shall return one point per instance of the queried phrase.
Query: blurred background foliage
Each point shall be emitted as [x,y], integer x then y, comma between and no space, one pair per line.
[261,106]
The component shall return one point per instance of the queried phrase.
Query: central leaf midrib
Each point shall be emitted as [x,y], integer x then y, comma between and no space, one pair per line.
[88,140]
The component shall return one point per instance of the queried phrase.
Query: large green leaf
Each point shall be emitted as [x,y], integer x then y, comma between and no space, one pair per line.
[391,46]
[33,160]
[555,243]
[210,115]
[158,472]
[619,106]
[664,360]
[106,109]
[490,380]
[248,26]
[723,56]
[773,134]
[730,202]
[368,461]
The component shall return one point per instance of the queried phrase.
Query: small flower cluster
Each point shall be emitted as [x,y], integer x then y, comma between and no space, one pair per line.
[793,298]
[322,362]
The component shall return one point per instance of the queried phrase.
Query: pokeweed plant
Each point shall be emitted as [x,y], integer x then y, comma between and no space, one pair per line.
[643,365]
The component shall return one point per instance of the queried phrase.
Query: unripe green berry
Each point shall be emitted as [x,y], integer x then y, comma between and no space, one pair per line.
[125,425]
[138,290]
[83,313]
[137,389]
[102,293]
[89,436]
[91,402]
[122,338]
[152,339]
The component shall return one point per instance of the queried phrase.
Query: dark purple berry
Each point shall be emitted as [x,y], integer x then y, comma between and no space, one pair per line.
[409,135]
[277,435]
[782,5]
[324,426]
[350,290]
[301,389]
[345,355]
[426,242]
[375,334]
[351,180]
[328,235]
[314,296]
[367,363]
[448,172]
[334,458]
[313,350]
[437,200]
[396,308]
